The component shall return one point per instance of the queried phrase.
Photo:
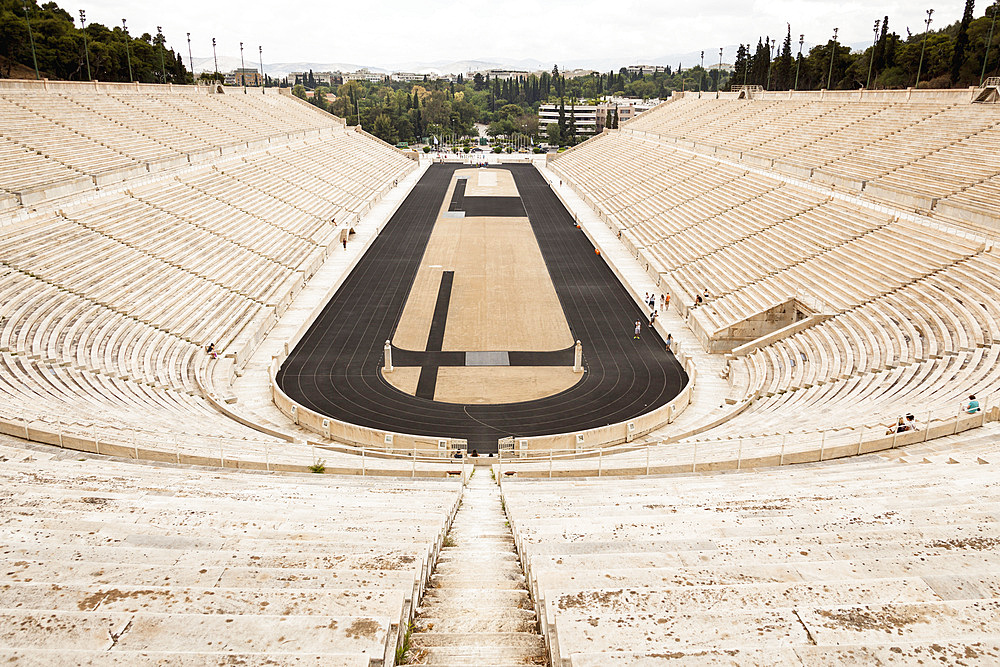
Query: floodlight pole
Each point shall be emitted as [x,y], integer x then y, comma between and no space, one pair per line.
[927,29]
[798,64]
[34,59]
[260,52]
[190,58]
[718,78]
[243,76]
[128,56]
[86,47]
[833,54]
[702,84]
[989,41]
[770,59]
[215,58]
[871,58]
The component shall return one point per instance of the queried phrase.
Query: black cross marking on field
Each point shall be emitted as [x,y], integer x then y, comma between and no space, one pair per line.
[433,357]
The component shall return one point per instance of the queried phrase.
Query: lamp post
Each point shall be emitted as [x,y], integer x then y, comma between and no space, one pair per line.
[128,56]
[163,66]
[31,38]
[871,58]
[833,54]
[718,77]
[243,75]
[702,84]
[798,64]
[86,48]
[989,40]
[260,52]
[190,57]
[927,29]
[215,58]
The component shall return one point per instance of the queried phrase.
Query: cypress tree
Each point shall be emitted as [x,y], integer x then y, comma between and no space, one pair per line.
[961,41]
[783,75]
[562,117]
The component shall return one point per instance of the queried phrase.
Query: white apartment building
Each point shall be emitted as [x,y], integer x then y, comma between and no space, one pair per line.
[364,74]
[321,78]
[646,69]
[591,118]
[412,77]
[502,74]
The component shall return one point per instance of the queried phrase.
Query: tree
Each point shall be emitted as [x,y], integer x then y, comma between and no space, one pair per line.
[384,129]
[563,132]
[961,41]
[741,68]
[783,69]
[554,134]
[571,124]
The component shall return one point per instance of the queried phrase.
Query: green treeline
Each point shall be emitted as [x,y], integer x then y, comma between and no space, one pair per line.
[60,48]
[398,111]
[954,57]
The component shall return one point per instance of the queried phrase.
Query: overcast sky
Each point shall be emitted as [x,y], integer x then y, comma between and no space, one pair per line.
[388,32]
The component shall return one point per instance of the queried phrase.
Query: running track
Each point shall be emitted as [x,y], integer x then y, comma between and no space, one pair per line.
[336,368]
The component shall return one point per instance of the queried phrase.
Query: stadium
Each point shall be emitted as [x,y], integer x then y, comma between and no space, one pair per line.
[277,392]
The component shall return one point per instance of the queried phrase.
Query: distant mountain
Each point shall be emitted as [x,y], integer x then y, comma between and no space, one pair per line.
[687,59]
[277,70]
[229,63]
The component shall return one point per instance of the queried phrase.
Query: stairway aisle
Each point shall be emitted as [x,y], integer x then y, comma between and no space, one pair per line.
[476,610]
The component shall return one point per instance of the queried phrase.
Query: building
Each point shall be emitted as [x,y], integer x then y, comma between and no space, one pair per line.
[243,76]
[321,78]
[645,69]
[590,119]
[365,74]
[412,77]
[584,117]
[501,74]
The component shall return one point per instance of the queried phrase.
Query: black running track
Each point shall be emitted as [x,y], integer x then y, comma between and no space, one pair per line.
[336,368]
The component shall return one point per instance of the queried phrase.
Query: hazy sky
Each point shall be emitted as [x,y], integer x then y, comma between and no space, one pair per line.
[386,32]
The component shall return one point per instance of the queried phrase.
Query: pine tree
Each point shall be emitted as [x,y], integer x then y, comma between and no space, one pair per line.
[961,41]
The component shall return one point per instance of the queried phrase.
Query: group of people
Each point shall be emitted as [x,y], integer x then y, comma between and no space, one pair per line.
[909,423]
[650,301]
[903,424]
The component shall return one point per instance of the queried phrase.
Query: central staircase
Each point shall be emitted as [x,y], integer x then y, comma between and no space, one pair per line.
[476,610]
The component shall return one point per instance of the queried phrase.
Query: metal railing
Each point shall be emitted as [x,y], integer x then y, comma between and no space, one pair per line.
[742,451]
[201,449]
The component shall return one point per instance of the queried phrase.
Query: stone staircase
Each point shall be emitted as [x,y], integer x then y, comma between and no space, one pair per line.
[476,610]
